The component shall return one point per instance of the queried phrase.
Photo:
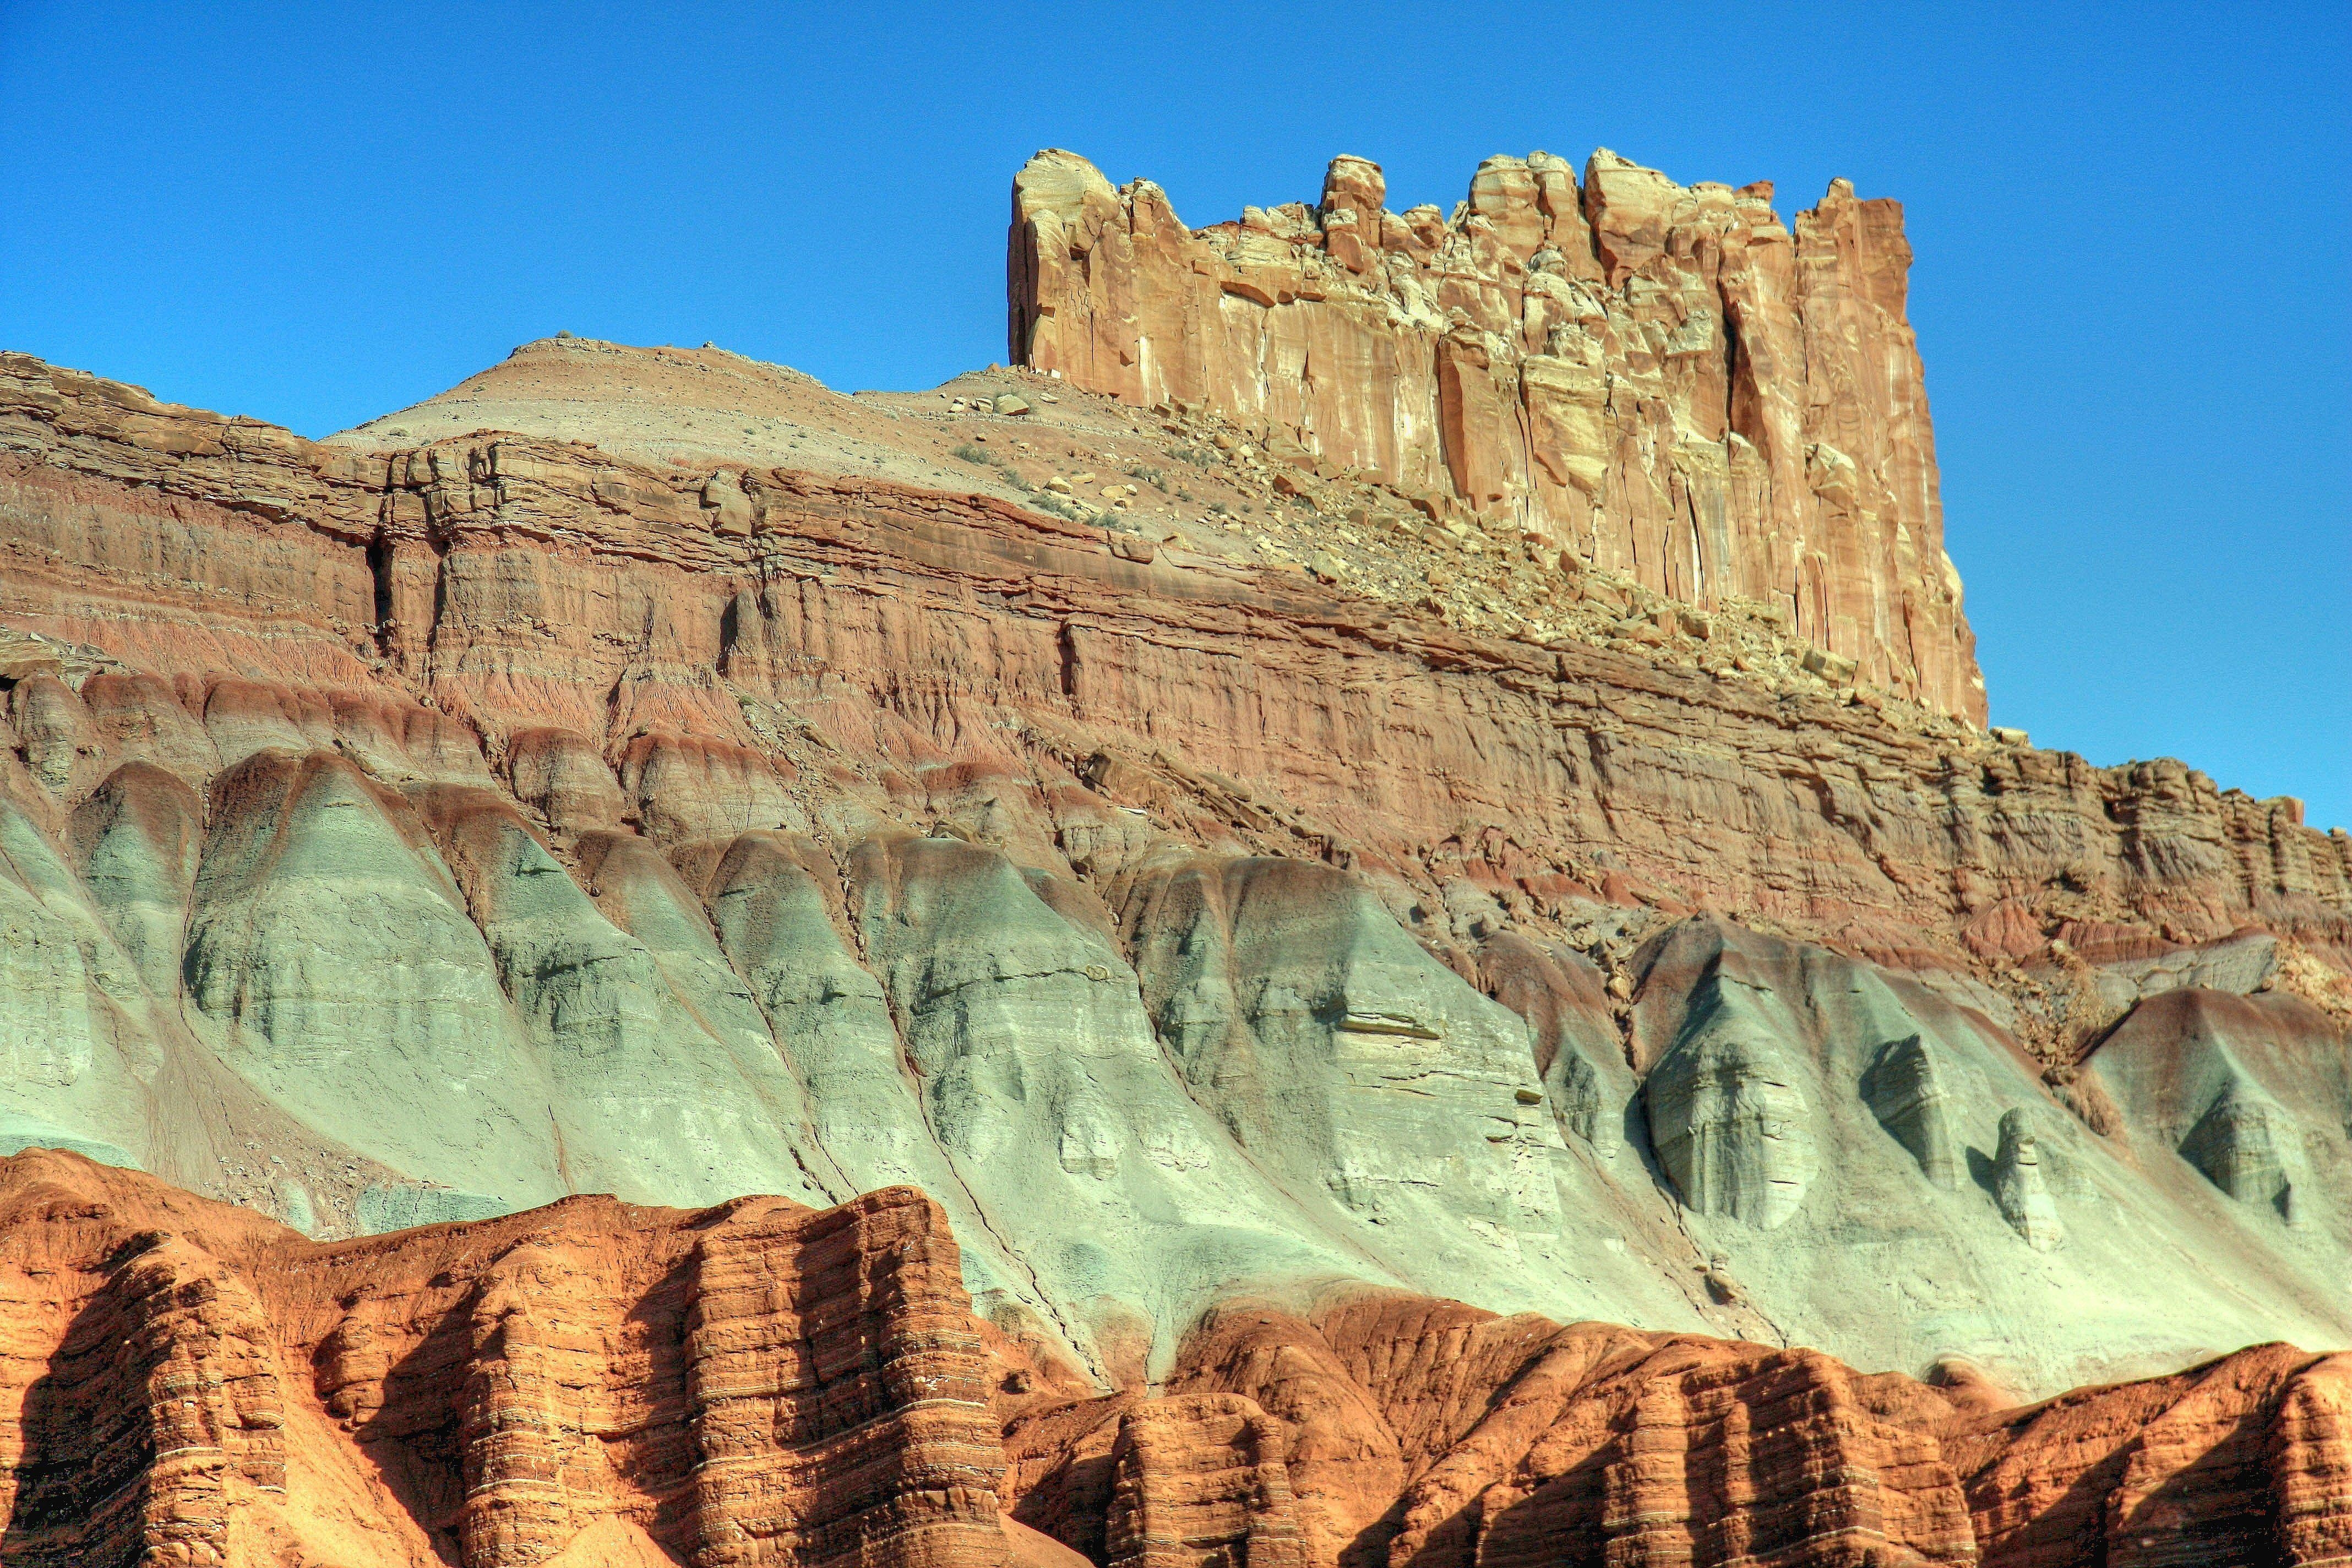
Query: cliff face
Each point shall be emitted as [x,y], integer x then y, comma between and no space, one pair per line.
[759,1383]
[419,834]
[597,1385]
[1668,381]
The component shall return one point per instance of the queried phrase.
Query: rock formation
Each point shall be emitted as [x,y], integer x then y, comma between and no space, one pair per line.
[1202,1479]
[187,1383]
[2022,1189]
[415,836]
[1424,1432]
[1668,381]
[1906,1093]
[1255,915]
[1731,1129]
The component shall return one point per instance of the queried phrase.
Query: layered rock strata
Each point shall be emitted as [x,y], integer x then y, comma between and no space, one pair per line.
[395,836]
[1671,381]
[593,1382]
[1424,1433]
[189,1383]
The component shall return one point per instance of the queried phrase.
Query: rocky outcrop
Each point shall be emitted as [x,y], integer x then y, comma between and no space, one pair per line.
[1200,1481]
[185,1381]
[2240,1461]
[154,1409]
[1420,1432]
[190,1383]
[402,837]
[833,1365]
[2202,1074]
[1731,1129]
[2019,1187]
[1907,1092]
[1669,380]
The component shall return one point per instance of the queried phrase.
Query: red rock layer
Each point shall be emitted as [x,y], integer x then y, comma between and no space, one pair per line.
[1430,1435]
[154,1408]
[1200,1481]
[1668,381]
[184,1382]
[582,635]
[840,1393]
[1523,1442]
[760,1383]
[2246,1460]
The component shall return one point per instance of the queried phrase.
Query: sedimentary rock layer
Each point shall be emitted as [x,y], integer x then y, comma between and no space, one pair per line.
[1670,381]
[1424,1433]
[759,1383]
[395,836]
[547,595]
[763,1384]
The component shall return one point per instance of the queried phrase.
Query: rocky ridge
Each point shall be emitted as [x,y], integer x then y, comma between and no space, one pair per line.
[594,1382]
[190,1383]
[1188,478]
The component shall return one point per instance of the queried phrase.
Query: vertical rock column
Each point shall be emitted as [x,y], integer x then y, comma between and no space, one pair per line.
[538,1367]
[1199,1482]
[1776,1461]
[161,1403]
[2019,1187]
[839,1392]
[1668,380]
[2310,1454]
[1905,1090]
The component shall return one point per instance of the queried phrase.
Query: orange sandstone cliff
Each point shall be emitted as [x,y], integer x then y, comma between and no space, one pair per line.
[1668,381]
[762,1383]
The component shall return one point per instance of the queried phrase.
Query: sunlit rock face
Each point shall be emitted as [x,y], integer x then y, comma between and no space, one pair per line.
[1669,380]
[594,1382]
[403,835]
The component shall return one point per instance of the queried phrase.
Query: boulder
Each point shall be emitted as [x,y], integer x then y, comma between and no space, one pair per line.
[2020,1189]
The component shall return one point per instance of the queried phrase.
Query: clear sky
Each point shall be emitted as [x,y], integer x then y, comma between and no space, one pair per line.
[2130,226]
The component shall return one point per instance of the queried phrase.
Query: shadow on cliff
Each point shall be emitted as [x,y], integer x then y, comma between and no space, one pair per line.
[1560,1525]
[82,1485]
[434,1398]
[2215,1508]
[410,1439]
[1980,1169]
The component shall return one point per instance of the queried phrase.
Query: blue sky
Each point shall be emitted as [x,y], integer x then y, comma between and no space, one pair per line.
[2130,224]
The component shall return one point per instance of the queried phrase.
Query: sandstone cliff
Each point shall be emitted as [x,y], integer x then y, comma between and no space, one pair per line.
[758,1384]
[1669,380]
[411,834]
[592,1384]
